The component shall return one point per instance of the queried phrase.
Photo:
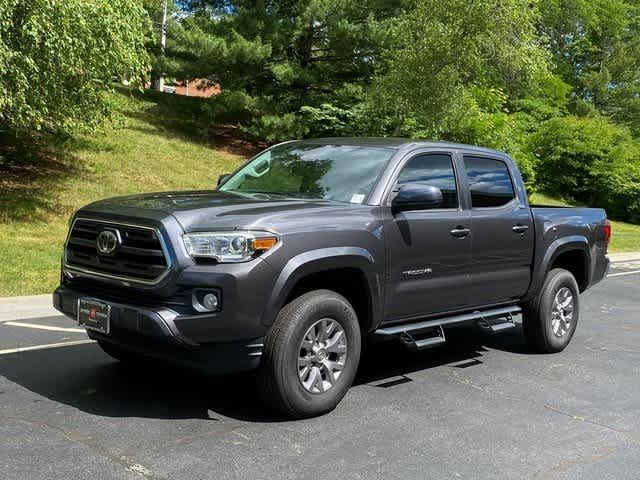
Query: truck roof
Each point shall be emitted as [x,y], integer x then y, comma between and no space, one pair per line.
[394,142]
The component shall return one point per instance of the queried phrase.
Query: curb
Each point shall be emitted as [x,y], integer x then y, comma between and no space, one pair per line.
[32,306]
[624,257]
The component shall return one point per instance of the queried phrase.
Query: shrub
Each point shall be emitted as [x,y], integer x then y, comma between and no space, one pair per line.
[230,106]
[327,120]
[57,58]
[589,160]
[276,128]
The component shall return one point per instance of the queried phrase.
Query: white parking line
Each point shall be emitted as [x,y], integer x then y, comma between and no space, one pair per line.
[623,273]
[44,347]
[44,327]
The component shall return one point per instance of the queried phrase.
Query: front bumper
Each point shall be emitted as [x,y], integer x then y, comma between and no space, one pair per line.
[158,332]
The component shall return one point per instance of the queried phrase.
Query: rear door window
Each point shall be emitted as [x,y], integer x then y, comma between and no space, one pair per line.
[489,181]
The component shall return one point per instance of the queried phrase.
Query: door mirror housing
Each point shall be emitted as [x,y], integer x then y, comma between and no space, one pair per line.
[416,196]
[222,178]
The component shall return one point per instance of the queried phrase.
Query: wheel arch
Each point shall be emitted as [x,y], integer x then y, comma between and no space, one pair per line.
[570,253]
[575,261]
[349,271]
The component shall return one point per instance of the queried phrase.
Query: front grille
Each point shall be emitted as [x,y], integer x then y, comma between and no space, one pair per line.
[140,255]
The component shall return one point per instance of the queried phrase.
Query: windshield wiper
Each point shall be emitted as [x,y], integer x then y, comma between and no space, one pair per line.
[279,194]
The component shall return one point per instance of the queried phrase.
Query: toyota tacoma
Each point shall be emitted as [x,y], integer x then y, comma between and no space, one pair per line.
[313,247]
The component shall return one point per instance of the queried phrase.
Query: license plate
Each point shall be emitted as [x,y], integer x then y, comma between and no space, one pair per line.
[94,315]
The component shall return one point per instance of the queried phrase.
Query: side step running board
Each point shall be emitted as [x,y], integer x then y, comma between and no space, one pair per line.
[431,338]
[497,327]
[465,317]
[494,321]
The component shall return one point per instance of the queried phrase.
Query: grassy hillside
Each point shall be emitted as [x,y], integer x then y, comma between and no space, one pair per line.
[155,147]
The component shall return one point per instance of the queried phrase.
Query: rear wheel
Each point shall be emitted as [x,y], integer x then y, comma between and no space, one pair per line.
[311,355]
[551,318]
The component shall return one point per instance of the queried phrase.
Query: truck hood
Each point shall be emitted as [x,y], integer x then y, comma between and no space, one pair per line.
[206,210]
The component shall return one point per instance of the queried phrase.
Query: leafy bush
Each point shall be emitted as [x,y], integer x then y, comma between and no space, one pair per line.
[327,120]
[276,127]
[230,106]
[57,58]
[589,160]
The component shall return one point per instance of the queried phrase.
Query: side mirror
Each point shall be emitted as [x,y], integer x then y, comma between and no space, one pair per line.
[222,178]
[416,196]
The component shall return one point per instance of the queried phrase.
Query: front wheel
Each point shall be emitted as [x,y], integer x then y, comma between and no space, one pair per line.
[550,319]
[311,355]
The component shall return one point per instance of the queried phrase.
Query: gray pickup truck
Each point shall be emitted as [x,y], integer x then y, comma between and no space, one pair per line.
[313,247]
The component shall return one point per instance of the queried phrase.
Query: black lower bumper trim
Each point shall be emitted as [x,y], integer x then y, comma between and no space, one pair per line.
[213,359]
[150,322]
[152,332]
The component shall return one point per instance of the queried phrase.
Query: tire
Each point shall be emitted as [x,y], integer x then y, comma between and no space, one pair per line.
[286,376]
[119,354]
[547,331]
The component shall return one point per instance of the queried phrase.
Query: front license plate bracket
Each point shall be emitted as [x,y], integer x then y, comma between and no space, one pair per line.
[94,315]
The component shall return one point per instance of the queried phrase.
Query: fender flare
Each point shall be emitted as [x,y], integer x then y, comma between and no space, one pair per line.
[555,249]
[321,260]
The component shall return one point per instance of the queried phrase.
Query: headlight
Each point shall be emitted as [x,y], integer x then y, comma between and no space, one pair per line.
[231,247]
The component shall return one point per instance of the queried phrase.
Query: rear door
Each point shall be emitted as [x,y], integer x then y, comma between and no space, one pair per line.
[502,231]
[428,257]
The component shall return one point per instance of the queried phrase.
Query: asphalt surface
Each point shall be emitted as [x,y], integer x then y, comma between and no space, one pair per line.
[479,407]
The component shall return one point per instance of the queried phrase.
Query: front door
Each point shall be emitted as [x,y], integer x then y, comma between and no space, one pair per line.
[502,232]
[429,250]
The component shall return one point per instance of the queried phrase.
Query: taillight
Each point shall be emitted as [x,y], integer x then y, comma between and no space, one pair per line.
[607,232]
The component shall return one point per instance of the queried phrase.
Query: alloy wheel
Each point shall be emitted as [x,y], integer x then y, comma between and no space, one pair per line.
[322,355]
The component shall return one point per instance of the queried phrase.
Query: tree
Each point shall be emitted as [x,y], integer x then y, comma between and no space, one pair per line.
[448,60]
[162,14]
[57,58]
[596,47]
[272,58]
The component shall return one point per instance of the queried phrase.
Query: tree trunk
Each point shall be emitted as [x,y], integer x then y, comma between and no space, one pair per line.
[158,83]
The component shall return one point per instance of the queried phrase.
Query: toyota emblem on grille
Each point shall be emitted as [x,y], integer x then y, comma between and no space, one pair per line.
[107,242]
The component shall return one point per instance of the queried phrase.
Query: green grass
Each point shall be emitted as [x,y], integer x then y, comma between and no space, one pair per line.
[157,147]
[626,236]
[542,199]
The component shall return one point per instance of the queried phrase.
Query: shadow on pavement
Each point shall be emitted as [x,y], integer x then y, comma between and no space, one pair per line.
[87,379]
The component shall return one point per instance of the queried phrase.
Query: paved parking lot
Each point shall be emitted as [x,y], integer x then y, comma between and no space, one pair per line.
[480,407]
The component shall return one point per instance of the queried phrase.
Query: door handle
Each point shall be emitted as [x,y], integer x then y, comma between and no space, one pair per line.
[520,228]
[460,232]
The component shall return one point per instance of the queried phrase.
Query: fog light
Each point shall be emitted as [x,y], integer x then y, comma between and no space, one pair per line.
[205,300]
[210,301]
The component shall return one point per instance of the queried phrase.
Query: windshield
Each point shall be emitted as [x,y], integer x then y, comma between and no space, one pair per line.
[342,173]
